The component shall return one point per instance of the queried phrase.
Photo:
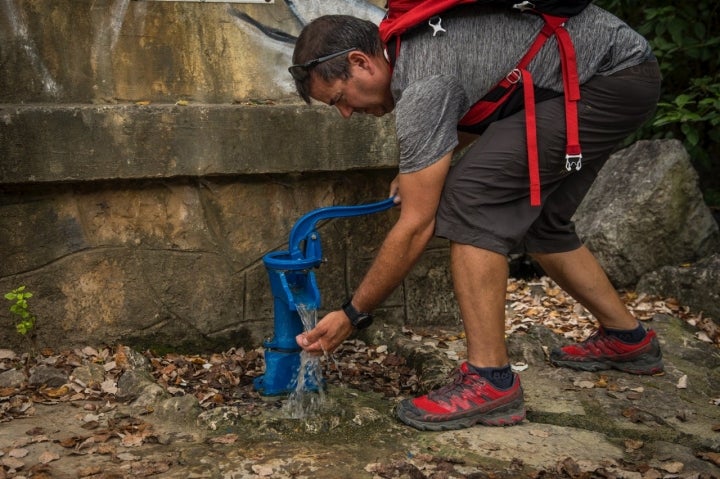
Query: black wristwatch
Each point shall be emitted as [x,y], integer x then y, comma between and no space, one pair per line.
[357,319]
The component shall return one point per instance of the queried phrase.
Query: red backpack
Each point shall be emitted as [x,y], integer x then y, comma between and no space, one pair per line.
[404,15]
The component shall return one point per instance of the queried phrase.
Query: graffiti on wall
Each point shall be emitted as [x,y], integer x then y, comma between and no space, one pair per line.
[109,21]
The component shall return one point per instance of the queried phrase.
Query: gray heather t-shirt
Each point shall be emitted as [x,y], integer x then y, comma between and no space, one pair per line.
[437,79]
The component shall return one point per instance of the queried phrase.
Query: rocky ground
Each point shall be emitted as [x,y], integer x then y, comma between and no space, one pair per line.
[112,412]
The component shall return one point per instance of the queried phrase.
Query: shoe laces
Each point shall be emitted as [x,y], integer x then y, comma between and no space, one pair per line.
[599,336]
[461,382]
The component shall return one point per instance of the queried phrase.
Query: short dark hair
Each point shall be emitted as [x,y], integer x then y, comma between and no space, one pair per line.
[330,34]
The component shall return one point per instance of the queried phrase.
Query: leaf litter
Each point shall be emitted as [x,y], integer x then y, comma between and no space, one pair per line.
[226,379]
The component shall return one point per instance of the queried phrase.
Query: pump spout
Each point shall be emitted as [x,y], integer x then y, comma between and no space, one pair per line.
[293,283]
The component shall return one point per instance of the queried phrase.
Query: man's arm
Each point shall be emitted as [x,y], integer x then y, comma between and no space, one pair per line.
[420,194]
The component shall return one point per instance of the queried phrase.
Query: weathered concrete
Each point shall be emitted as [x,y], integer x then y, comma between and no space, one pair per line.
[152,152]
[80,143]
[175,264]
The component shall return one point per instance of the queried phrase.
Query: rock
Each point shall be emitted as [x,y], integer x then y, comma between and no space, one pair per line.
[133,384]
[645,211]
[48,376]
[12,378]
[89,374]
[696,285]
[181,409]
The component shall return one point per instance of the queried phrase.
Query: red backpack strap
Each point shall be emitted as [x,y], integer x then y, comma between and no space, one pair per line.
[489,103]
[571,87]
[531,137]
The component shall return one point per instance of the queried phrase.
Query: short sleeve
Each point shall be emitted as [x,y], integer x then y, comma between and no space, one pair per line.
[426,119]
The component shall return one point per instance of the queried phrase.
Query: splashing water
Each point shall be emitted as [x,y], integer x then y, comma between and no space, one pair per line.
[308,397]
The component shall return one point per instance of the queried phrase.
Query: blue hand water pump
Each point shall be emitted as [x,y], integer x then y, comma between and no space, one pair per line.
[293,283]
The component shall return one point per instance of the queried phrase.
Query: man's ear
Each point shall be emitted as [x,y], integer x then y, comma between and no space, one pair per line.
[361,60]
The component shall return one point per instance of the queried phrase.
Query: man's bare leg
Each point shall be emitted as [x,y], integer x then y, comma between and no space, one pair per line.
[485,390]
[580,274]
[623,344]
[480,281]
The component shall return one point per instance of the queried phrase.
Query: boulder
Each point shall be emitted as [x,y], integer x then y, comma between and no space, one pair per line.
[646,211]
[696,285]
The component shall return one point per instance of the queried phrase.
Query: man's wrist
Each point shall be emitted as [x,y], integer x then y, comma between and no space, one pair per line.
[358,319]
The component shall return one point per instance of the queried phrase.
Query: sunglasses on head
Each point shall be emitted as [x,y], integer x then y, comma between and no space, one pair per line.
[301,71]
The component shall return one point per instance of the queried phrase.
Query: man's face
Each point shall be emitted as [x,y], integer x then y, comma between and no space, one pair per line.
[367,90]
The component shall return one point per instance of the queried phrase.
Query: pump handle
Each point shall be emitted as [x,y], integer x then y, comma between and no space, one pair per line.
[305,226]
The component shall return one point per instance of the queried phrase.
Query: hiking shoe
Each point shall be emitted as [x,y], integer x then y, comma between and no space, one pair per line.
[601,351]
[469,400]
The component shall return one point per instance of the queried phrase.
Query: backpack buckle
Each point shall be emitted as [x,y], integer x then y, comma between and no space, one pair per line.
[437,25]
[526,5]
[573,161]
[514,76]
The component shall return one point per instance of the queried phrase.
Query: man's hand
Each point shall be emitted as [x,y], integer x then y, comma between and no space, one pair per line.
[329,333]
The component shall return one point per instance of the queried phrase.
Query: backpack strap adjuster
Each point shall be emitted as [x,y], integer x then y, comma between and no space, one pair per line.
[573,161]
[514,76]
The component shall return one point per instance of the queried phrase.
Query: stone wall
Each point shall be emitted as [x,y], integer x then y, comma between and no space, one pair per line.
[152,152]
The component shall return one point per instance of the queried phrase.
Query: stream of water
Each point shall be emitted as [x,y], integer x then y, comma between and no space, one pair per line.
[308,397]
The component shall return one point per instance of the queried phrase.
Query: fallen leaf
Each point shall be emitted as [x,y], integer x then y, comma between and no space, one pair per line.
[48,456]
[7,392]
[633,445]
[713,457]
[262,470]
[126,456]
[18,453]
[12,463]
[673,467]
[69,442]
[109,386]
[55,393]
[7,354]
[584,384]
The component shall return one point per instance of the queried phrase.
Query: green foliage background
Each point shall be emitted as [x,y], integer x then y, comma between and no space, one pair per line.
[685,37]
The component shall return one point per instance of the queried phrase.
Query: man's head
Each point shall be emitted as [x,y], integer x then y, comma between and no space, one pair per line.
[339,60]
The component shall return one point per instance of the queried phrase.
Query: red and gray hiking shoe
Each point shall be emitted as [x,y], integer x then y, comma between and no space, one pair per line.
[469,400]
[601,351]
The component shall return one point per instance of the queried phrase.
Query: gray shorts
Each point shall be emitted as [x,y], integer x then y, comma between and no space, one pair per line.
[485,200]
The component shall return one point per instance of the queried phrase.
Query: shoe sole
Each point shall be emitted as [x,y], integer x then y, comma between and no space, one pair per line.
[645,367]
[507,415]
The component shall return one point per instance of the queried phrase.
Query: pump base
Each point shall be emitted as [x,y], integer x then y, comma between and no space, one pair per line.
[281,371]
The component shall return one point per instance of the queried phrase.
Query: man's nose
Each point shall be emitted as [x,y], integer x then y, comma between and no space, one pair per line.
[345,110]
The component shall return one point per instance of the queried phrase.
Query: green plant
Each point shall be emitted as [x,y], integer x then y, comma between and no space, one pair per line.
[25,321]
